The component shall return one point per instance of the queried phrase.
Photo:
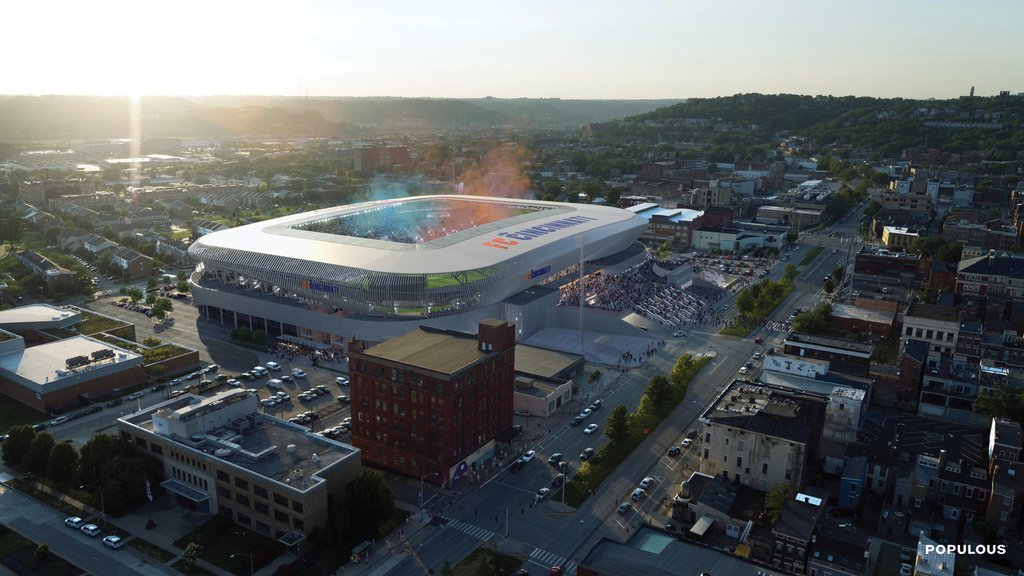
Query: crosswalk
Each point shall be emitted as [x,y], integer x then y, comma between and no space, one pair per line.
[477,532]
[548,559]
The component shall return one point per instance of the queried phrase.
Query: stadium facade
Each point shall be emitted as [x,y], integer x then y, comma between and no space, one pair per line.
[379,269]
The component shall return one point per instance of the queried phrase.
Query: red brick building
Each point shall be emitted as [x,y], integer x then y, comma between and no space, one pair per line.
[430,403]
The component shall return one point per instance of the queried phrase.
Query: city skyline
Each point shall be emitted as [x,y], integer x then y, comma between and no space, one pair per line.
[606,49]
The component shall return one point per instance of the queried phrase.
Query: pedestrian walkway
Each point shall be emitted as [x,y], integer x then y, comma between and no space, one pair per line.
[547,559]
[482,534]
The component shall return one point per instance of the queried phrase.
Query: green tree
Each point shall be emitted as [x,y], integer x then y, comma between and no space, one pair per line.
[950,252]
[372,502]
[38,455]
[259,338]
[182,277]
[135,295]
[182,286]
[19,439]
[41,553]
[660,392]
[63,461]
[162,308]
[151,341]
[191,554]
[776,499]
[617,426]
[150,283]
[1001,401]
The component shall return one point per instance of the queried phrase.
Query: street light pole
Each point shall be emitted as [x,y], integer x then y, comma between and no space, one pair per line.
[103,506]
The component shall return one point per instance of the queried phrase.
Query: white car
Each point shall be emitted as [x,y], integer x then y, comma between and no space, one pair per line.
[743,370]
[114,542]
[687,442]
[590,429]
[341,381]
[74,522]
[543,493]
[90,530]
[679,334]
[234,383]
[273,366]
[275,383]
[528,456]
[298,373]
[586,412]
[646,482]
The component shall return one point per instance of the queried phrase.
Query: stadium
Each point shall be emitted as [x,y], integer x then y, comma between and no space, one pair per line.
[379,269]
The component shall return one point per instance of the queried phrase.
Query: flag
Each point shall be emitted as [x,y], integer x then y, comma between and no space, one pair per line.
[149,493]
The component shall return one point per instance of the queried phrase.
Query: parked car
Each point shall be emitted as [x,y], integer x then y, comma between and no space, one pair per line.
[586,454]
[341,381]
[595,405]
[298,373]
[90,530]
[557,480]
[555,458]
[543,493]
[646,482]
[92,409]
[286,378]
[637,494]
[528,456]
[344,399]
[114,542]
[136,395]
[59,420]
[234,383]
[686,442]
[674,451]
[576,421]
[623,508]
[273,366]
[74,522]
[275,383]
[590,429]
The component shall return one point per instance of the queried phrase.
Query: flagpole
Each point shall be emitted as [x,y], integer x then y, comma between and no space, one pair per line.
[149,509]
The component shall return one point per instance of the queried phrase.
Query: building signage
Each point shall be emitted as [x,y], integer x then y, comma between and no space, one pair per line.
[538,272]
[319,286]
[512,238]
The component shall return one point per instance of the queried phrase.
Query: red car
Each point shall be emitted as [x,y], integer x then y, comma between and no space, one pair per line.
[757,340]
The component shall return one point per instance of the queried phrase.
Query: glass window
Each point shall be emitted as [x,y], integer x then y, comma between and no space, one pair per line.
[241,483]
[280,500]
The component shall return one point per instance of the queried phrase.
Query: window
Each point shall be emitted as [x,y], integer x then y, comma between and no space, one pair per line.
[223,492]
[244,520]
[241,483]
[223,476]
[156,448]
[259,491]
[261,508]
[280,516]
[297,506]
[853,487]
[764,468]
[242,499]
[280,500]
[970,492]
[298,523]
[739,461]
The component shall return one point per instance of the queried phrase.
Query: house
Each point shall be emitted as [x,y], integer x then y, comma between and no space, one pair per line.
[96,245]
[132,264]
[1004,440]
[793,531]
[840,549]
[56,278]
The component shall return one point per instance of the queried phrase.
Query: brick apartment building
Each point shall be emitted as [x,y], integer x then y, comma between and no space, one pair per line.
[431,403]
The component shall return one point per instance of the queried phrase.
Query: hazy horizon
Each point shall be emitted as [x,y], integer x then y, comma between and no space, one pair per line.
[573,50]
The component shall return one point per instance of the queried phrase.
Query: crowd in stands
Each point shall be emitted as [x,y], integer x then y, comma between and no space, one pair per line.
[639,290]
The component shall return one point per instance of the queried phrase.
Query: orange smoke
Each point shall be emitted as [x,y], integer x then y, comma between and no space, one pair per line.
[499,173]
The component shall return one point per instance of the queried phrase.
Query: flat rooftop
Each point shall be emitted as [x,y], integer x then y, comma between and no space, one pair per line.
[544,362]
[861,313]
[796,338]
[38,316]
[271,447]
[444,352]
[933,312]
[761,409]
[40,364]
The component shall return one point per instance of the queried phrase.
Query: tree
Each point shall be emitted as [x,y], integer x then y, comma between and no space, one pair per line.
[151,341]
[41,553]
[191,554]
[659,391]
[19,438]
[182,286]
[372,501]
[150,283]
[38,456]
[63,461]
[162,307]
[182,277]
[259,338]
[134,294]
[617,427]
[1001,401]
[776,499]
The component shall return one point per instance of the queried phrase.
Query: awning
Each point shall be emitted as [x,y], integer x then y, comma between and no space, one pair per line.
[184,490]
[702,526]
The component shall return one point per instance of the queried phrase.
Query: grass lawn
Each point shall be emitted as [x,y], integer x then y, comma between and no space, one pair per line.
[49,500]
[92,324]
[151,550]
[180,566]
[18,554]
[811,255]
[487,561]
[221,538]
[15,413]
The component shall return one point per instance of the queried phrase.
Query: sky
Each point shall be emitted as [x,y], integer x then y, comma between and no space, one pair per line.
[571,49]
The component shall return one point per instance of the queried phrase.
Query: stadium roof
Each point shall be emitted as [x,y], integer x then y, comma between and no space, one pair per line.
[535,224]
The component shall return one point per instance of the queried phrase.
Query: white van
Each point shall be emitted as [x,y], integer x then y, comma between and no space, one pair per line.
[275,383]
[259,371]
[273,366]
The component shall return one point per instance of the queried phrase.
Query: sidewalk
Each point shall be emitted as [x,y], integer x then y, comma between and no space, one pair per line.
[389,551]
[168,520]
